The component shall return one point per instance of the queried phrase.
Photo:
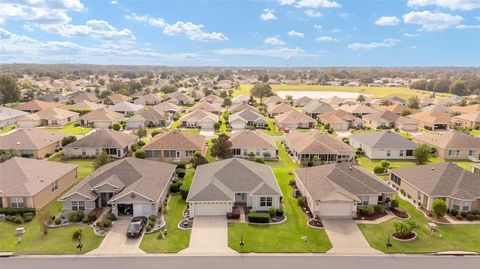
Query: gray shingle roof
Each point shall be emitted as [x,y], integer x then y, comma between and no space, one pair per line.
[104,138]
[383,139]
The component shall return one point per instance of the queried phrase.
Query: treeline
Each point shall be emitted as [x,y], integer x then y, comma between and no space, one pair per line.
[464,85]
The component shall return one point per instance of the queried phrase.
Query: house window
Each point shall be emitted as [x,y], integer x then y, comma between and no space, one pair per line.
[363,200]
[257,153]
[237,152]
[471,152]
[189,153]
[456,204]
[409,152]
[396,179]
[389,153]
[453,152]
[97,151]
[54,186]
[84,152]
[266,201]
[78,205]
[466,206]
[401,153]
[17,202]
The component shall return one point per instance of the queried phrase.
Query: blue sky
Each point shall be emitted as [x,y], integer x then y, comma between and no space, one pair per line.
[242,33]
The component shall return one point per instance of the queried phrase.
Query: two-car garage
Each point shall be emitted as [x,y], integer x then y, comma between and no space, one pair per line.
[210,208]
[335,209]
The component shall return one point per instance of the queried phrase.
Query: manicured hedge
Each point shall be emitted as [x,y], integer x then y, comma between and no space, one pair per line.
[9,211]
[258,217]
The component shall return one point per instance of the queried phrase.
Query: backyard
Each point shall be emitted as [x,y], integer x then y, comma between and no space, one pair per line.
[286,237]
[7,129]
[464,237]
[70,129]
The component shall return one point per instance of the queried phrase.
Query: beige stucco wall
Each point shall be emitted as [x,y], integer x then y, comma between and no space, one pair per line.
[46,195]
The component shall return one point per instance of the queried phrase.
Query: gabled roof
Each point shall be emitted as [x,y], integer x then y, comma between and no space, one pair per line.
[30,139]
[317,107]
[337,116]
[398,108]
[384,115]
[26,177]
[36,105]
[280,108]
[383,139]
[431,117]
[180,96]
[441,108]
[212,99]
[144,177]
[358,109]
[85,105]
[117,98]
[102,114]
[449,140]
[466,109]
[50,113]
[206,107]
[247,115]
[200,115]
[79,96]
[126,107]
[104,138]
[473,117]
[302,101]
[152,114]
[294,116]
[7,113]
[176,140]
[240,107]
[442,179]
[350,181]
[252,140]
[273,100]
[219,181]
[166,106]
[316,142]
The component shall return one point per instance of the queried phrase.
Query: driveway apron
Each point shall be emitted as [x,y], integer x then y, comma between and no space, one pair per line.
[209,235]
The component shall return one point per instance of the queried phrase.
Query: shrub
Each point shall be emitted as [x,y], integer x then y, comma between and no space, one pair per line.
[394,203]
[10,211]
[106,223]
[58,221]
[302,201]
[235,214]
[292,182]
[181,166]
[16,219]
[175,186]
[258,217]
[30,218]
[216,126]
[68,139]
[379,170]
[155,132]
[385,164]
[439,207]
[469,217]
[77,234]
[367,210]
[28,214]
[346,140]
[148,228]
[463,214]
[272,212]
[379,209]
[141,143]
[92,215]
[279,212]
[76,216]
[140,154]
[181,172]
[184,192]
[160,235]
[152,218]
[454,212]
[111,216]
[116,127]
[260,160]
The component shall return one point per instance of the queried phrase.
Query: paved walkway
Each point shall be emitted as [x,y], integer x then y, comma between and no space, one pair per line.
[346,237]
[209,235]
[116,241]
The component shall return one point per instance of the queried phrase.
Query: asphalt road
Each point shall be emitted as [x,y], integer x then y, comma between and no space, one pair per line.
[243,262]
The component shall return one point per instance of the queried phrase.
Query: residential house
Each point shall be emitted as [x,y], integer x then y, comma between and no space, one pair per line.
[211,108]
[150,99]
[451,145]
[387,119]
[32,143]
[302,101]
[469,121]
[10,116]
[273,101]
[316,108]
[340,120]
[257,144]
[175,146]
[52,116]
[199,119]
[80,96]
[148,118]
[35,106]
[241,99]
[213,99]
[84,106]
[335,101]
[245,118]
[169,108]
[101,118]
[220,186]
[358,110]
[422,184]
[129,187]
[432,120]
[442,108]
[180,99]
[240,107]
[295,120]
[115,144]
[33,183]
[337,190]
[466,109]
[383,145]
[307,145]
[400,109]
[126,108]
[116,98]
[274,110]
[51,96]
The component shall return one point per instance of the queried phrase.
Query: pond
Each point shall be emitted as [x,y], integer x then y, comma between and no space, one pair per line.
[319,94]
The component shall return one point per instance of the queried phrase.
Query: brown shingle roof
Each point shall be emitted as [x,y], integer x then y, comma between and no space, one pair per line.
[36,105]
[315,142]
[433,117]
[102,114]
[252,139]
[30,139]
[85,105]
[294,116]
[176,140]
[105,139]
[449,140]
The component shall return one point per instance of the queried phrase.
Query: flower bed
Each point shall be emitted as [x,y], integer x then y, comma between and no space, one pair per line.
[405,238]
[399,213]
[315,223]
[373,216]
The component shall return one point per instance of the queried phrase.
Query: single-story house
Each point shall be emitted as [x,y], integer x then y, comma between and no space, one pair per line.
[213,99]
[10,116]
[32,143]
[33,183]
[150,99]
[115,144]
[316,108]
[422,184]
[167,107]
[35,106]
[212,108]
[175,146]
[316,143]
[117,98]
[80,96]
[466,109]
[240,107]
[126,108]
[451,145]
[52,116]
[432,120]
[180,99]
[241,99]
[340,120]
[302,101]
[199,119]
[218,187]
[256,143]
[130,186]
[245,118]
[273,101]
[147,118]
[101,118]
[274,110]
[470,120]
[381,119]
[399,109]
[406,124]
[295,119]
[383,145]
[51,96]
[84,106]
[335,101]
[444,109]
[358,110]
[337,190]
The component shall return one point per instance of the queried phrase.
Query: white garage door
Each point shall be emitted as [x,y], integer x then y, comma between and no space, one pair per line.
[238,126]
[142,210]
[335,209]
[210,209]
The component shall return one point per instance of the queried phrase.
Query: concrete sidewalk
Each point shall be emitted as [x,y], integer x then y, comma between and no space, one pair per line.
[209,235]
[346,238]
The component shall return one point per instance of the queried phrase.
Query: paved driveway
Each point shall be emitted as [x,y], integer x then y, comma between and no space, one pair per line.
[346,237]
[209,235]
[116,241]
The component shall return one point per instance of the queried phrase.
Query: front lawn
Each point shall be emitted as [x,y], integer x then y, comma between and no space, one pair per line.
[176,239]
[85,166]
[286,237]
[70,129]
[273,128]
[465,237]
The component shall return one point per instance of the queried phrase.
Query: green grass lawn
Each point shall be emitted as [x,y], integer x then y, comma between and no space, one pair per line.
[191,131]
[7,129]
[273,128]
[176,239]
[85,166]
[286,237]
[464,237]
[70,129]
[474,132]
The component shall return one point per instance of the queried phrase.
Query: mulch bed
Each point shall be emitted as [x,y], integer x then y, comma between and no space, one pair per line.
[187,224]
[315,223]
[431,216]
[410,236]
[399,213]
[278,219]
[373,216]
[307,211]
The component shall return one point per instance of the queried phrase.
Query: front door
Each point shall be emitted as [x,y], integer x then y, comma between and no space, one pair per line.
[178,155]
[104,198]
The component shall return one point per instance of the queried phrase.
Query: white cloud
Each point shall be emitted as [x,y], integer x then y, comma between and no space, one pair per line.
[274,41]
[414,47]
[317,26]
[451,4]
[2,20]
[286,2]
[336,30]
[113,2]
[312,13]
[296,34]
[432,21]
[98,29]
[410,35]
[35,11]
[344,15]
[268,14]
[285,53]
[387,21]
[325,38]
[192,32]
[317,4]
[157,22]
[463,26]
[386,43]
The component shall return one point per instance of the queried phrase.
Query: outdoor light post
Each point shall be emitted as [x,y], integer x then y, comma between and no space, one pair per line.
[388,244]
[242,243]
[80,244]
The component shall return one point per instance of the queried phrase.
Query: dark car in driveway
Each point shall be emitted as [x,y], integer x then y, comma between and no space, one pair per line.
[136,226]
